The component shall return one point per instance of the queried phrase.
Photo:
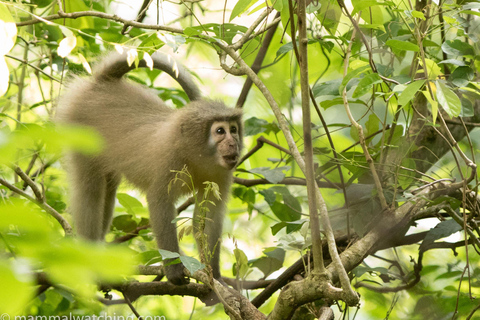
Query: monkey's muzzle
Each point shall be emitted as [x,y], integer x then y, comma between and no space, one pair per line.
[231,160]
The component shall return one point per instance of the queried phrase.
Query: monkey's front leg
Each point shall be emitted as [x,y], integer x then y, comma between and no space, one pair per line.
[162,212]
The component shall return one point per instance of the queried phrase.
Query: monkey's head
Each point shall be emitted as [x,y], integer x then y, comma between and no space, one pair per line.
[225,137]
[216,132]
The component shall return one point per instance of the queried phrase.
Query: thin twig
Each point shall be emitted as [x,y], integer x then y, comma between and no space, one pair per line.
[361,136]
[42,204]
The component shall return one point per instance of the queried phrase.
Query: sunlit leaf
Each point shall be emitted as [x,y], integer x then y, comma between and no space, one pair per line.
[8,35]
[66,46]
[148,60]
[240,7]
[402,45]
[410,91]
[132,56]
[448,100]
[432,68]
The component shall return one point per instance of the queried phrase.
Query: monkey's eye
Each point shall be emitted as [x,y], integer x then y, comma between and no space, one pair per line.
[220,130]
[233,129]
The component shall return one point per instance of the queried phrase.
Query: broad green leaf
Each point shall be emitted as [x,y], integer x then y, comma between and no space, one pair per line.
[409,92]
[432,68]
[328,15]
[240,7]
[372,124]
[168,254]
[442,229]
[274,175]
[254,126]
[448,100]
[462,76]
[458,48]
[191,264]
[362,5]
[377,26]
[124,223]
[267,265]
[338,101]
[402,45]
[352,74]
[366,84]
[329,88]
[241,265]
[418,14]
[130,203]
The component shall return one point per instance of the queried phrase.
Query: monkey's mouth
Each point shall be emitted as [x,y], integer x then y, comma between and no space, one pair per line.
[231,160]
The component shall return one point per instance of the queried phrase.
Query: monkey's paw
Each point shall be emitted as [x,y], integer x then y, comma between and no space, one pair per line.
[176,275]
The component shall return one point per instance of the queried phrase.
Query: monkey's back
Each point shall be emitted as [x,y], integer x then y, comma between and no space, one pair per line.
[124,114]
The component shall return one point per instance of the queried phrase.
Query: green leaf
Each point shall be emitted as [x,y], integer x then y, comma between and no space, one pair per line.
[241,264]
[191,264]
[402,45]
[362,5]
[441,230]
[366,84]
[432,68]
[168,254]
[329,88]
[409,92]
[352,74]
[338,101]
[267,265]
[129,203]
[124,223]
[372,124]
[462,76]
[448,100]
[418,14]
[274,175]
[254,126]
[458,48]
[240,7]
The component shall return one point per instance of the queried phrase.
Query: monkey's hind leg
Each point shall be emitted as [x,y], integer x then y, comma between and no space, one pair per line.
[112,182]
[88,191]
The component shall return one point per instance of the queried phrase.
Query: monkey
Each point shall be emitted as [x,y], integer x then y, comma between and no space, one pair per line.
[146,141]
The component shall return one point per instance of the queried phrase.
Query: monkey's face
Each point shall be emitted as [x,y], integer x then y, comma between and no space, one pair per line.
[225,135]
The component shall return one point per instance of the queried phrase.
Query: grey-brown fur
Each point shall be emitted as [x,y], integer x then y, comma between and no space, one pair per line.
[145,140]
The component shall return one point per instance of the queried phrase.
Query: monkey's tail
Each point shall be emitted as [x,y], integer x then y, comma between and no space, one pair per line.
[115,65]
